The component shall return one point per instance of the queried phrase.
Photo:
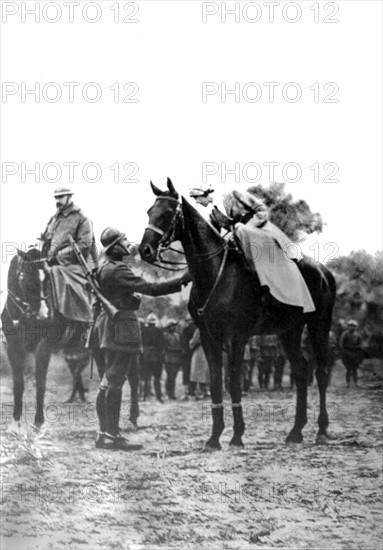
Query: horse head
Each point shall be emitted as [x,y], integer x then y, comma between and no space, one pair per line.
[162,228]
[30,277]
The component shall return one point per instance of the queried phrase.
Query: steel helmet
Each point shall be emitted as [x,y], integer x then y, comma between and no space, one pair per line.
[111,236]
[171,323]
[62,190]
[151,319]
[352,323]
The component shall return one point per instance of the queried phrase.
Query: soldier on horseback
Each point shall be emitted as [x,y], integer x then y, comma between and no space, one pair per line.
[67,290]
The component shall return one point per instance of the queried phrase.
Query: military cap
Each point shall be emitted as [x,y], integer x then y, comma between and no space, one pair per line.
[62,190]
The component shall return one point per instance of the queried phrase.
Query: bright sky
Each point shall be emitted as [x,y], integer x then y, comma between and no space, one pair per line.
[169,53]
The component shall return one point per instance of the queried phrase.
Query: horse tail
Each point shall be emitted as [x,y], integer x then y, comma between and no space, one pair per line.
[331,284]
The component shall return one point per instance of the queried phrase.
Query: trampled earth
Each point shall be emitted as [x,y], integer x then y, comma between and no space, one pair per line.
[58,491]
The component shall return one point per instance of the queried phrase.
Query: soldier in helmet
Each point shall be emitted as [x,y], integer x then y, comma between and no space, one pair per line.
[351,351]
[120,338]
[68,220]
[172,357]
[153,343]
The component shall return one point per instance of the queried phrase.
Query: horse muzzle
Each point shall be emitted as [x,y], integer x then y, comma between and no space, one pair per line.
[148,253]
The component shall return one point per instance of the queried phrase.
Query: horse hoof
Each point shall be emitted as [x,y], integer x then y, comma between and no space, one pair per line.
[294,438]
[236,442]
[322,439]
[210,447]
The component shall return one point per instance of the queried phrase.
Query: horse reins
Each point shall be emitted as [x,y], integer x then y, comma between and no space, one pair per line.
[164,244]
[166,238]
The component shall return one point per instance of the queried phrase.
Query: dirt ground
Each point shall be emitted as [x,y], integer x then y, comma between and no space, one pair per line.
[58,491]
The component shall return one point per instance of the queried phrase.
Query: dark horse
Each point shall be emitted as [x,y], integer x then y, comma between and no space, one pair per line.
[228,306]
[29,326]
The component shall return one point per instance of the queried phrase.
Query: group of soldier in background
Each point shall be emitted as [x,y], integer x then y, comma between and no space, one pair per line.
[173,350]
[177,347]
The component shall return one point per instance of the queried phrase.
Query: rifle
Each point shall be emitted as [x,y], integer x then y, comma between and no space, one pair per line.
[110,310]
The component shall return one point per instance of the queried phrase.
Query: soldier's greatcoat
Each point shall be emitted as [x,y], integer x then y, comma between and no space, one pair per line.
[69,222]
[119,284]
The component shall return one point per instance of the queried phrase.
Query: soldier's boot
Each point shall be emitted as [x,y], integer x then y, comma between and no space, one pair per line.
[170,387]
[157,387]
[113,407]
[112,438]
[355,376]
[348,377]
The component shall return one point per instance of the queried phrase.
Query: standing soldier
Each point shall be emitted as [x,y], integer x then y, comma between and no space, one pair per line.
[246,370]
[120,338]
[199,369]
[280,361]
[332,351]
[351,351]
[268,347]
[69,220]
[172,357]
[153,344]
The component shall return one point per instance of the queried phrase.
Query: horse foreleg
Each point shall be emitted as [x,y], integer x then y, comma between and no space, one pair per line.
[235,366]
[292,344]
[74,387]
[17,356]
[43,355]
[319,340]
[80,388]
[214,358]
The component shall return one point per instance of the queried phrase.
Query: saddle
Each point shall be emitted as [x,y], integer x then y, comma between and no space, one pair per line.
[69,293]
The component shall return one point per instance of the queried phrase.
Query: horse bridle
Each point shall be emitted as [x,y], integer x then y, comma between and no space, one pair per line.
[167,238]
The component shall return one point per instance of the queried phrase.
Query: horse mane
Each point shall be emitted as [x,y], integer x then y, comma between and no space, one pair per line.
[12,282]
[32,255]
[207,230]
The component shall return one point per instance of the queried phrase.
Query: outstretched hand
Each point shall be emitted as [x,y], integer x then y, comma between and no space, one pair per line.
[186,279]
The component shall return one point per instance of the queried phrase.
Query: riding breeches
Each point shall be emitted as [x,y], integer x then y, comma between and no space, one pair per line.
[116,365]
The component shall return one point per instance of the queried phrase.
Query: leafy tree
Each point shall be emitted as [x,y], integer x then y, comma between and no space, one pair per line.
[360,288]
[289,215]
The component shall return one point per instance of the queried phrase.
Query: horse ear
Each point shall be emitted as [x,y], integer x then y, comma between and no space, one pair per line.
[155,189]
[171,188]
